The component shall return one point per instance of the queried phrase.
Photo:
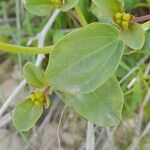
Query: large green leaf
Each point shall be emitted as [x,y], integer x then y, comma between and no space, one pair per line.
[38,7]
[134,37]
[26,114]
[34,76]
[69,4]
[85,59]
[109,7]
[102,107]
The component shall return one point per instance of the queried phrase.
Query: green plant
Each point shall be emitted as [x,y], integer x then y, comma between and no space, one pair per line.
[82,64]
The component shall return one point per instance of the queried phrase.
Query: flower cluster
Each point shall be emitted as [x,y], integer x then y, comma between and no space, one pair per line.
[38,97]
[123,20]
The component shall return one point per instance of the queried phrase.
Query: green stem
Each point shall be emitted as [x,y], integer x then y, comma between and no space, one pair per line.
[80,16]
[26,50]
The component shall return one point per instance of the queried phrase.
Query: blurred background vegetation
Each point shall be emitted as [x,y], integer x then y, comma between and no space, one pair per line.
[18,26]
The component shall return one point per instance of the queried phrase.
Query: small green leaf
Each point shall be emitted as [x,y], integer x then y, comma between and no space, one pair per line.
[39,7]
[26,114]
[34,76]
[133,37]
[85,59]
[69,4]
[109,7]
[102,107]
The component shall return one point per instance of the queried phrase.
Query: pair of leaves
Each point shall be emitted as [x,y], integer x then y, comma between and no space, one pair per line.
[134,36]
[44,7]
[27,112]
[81,65]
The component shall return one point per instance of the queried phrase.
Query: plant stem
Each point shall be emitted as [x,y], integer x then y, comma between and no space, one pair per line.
[80,16]
[26,50]
[142,18]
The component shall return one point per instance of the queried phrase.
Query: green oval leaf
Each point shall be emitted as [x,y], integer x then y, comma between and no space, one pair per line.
[34,76]
[134,37]
[109,7]
[85,58]
[69,4]
[102,107]
[26,114]
[38,7]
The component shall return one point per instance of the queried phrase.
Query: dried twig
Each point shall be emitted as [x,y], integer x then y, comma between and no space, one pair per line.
[59,124]
[90,139]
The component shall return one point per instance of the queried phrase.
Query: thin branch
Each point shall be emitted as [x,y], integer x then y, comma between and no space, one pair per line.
[142,61]
[136,79]
[146,130]
[59,124]
[142,18]
[41,36]
[5,119]
[139,121]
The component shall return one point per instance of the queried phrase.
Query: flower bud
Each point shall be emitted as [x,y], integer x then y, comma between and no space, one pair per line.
[37,103]
[125,24]
[118,16]
[40,98]
[126,17]
[123,20]
[118,21]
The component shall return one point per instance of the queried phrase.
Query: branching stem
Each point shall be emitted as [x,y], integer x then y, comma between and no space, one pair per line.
[142,18]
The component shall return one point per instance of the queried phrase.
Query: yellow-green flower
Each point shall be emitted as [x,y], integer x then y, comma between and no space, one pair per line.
[40,98]
[123,20]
